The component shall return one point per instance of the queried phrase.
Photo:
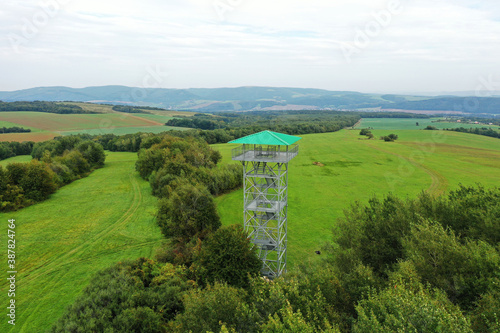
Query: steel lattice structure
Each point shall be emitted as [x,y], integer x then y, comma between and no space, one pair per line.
[265,183]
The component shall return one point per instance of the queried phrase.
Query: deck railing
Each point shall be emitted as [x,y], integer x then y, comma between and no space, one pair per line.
[282,154]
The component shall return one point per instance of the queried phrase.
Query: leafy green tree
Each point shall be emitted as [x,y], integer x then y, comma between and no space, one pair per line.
[75,161]
[289,321]
[463,271]
[189,212]
[406,306]
[365,131]
[227,255]
[486,316]
[138,296]
[38,182]
[92,152]
[208,309]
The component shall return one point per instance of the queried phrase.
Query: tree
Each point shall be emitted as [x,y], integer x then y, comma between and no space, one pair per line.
[189,212]
[406,306]
[92,152]
[364,131]
[227,255]
[208,309]
[38,181]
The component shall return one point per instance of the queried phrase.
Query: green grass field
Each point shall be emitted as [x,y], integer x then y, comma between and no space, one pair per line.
[86,226]
[109,216]
[410,124]
[16,159]
[355,169]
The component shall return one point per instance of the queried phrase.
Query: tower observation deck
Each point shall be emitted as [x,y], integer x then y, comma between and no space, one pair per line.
[265,158]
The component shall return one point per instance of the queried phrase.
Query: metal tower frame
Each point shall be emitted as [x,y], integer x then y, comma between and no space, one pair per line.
[265,201]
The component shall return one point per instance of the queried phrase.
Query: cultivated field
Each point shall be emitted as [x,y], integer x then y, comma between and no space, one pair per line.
[354,169]
[84,227]
[46,126]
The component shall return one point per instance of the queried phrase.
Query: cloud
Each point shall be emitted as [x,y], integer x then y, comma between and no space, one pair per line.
[293,42]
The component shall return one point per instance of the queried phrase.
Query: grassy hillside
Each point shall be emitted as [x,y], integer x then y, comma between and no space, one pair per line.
[86,226]
[355,169]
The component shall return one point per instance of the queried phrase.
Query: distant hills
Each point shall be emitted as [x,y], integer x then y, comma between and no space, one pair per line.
[258,98]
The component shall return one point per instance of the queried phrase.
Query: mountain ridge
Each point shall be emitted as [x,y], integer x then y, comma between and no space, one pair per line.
[251,98]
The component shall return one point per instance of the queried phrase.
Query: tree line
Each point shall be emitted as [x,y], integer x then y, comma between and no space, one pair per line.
[428,264]
[14,129]
[55,163]
[128,109]
[40,106]
[478,131]
[11,149]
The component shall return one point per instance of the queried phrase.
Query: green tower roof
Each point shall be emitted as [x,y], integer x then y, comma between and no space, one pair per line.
[267,138]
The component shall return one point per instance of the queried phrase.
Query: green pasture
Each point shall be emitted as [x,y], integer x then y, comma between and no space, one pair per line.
[16,159]
[356,169]
[410,124]
[61,243]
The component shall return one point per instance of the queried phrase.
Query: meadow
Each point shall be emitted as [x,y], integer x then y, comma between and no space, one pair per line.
[356,169]
[109,216]
[86,226]
[411,124]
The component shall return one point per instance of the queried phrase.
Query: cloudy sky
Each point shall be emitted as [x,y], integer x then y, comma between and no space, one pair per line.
[360,45]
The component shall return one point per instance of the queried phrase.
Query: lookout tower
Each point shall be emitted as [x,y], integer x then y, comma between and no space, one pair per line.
[265,158]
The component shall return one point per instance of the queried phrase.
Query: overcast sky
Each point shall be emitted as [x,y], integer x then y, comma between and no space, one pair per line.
[360,45]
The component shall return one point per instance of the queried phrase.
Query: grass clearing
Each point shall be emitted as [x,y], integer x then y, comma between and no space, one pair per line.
[355,169]
[410,124]
[86,226]
[16,159]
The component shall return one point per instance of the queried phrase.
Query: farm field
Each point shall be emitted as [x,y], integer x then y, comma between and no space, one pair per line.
[433,161]
[105,108]
[66,122]
[86,226]
[124,130]
[46,126]
[410,124]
